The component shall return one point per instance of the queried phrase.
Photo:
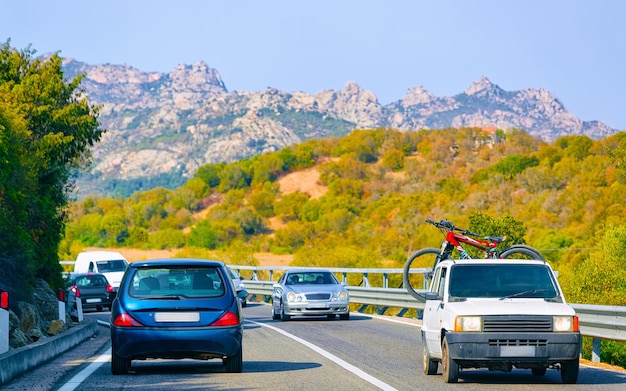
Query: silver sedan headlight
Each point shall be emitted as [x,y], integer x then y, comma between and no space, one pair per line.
[341,296]
[295,298]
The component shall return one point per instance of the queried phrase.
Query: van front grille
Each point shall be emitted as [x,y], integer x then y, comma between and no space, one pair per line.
[517,323]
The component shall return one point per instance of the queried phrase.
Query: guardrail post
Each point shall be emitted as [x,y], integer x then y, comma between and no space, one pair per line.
[595,350]
[366,282]
[4,321]
[61,297]
[385,280]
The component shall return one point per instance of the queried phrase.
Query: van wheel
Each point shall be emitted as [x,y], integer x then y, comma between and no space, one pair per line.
[449,368]
[569,371]
[430,365]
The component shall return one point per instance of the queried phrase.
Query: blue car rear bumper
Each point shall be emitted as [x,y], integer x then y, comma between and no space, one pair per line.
[176,342]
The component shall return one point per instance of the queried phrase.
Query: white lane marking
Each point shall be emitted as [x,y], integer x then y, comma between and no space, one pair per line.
[85,373]
[369,378]
[393,320]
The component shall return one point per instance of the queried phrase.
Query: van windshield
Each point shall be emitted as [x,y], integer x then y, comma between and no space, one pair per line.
[501,281]
[118,265]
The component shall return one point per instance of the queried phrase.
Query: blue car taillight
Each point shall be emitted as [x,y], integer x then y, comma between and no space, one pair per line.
[125,320]
[228,319]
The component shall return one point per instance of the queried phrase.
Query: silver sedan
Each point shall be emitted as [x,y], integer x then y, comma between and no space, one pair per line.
[310,292]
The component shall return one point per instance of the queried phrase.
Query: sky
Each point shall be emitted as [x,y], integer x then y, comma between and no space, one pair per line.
[575,49]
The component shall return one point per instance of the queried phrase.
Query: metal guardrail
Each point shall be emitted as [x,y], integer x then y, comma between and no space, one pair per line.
[596,321]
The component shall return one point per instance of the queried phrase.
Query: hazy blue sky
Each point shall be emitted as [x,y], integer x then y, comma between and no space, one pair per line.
[575,49]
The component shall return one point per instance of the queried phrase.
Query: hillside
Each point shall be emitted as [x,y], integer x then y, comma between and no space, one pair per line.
[361,200]
[162,126]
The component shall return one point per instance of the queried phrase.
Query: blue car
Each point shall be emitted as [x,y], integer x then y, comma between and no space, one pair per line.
[174,309]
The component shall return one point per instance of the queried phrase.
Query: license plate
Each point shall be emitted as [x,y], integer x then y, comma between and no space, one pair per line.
[517,351]
[317,305]
[177,317]
[93,300]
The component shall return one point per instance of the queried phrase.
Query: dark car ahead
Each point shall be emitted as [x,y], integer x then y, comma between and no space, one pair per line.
[93,289]
[175,309]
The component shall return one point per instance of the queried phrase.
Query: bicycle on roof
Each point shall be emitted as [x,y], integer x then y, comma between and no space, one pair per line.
[453,242]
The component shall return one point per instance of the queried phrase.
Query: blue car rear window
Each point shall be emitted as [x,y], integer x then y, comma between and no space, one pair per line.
[181,282]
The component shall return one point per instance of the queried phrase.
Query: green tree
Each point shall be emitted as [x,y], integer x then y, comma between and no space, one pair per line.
[56,126]
[288,208]
[210,174]
[393,159]
[203,235]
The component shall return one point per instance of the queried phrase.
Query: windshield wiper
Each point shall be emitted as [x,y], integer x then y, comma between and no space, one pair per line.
[524,293]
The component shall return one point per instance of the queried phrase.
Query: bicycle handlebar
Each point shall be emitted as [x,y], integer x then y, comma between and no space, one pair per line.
[448,225]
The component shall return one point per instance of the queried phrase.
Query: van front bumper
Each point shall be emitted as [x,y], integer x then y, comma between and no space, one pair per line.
[475,349]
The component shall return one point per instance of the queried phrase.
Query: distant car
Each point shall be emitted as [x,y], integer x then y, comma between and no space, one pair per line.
[309,292]
[238,282]
[175,309]
[110,263]
[93,289]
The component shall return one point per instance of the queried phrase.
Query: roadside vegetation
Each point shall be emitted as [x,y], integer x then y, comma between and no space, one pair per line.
[374,189]
[46,130]
[566,198]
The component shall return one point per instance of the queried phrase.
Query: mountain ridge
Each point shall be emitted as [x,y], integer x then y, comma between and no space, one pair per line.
[162,126]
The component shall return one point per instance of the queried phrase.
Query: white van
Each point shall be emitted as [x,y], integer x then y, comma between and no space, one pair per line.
[110,263]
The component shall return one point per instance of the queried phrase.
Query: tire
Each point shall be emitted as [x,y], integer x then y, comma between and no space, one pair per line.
[520,251]
[283,316]
[449,368]
[275,315]
[539,371]
[234,363]
[426,256]
[119,365]
[430,365]
[344,316]
[569,371]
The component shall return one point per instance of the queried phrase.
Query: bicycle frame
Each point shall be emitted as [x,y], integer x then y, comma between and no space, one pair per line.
[455,240]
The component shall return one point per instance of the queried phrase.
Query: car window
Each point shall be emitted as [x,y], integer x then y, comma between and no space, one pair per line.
[182,282]
[90,281]
[117,265]
[232,273]
[311,278]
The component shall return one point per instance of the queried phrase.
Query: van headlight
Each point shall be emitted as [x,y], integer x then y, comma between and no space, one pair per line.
[468,323]
[564,323]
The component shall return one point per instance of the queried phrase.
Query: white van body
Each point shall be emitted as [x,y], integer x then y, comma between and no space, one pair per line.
[110,263]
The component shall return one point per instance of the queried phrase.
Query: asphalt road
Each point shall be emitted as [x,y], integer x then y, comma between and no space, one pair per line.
[364,353]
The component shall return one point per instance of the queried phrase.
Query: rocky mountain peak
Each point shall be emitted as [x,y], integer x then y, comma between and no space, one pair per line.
[163,126]
[482,86]
[417,95]
[196,78]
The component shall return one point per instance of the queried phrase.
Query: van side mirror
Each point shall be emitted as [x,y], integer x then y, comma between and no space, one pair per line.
[432,296]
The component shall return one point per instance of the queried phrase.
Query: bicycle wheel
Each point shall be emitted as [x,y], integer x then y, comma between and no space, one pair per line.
[521,251]
[420,259]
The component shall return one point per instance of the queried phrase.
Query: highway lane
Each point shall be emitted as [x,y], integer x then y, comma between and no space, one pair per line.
[363,353]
